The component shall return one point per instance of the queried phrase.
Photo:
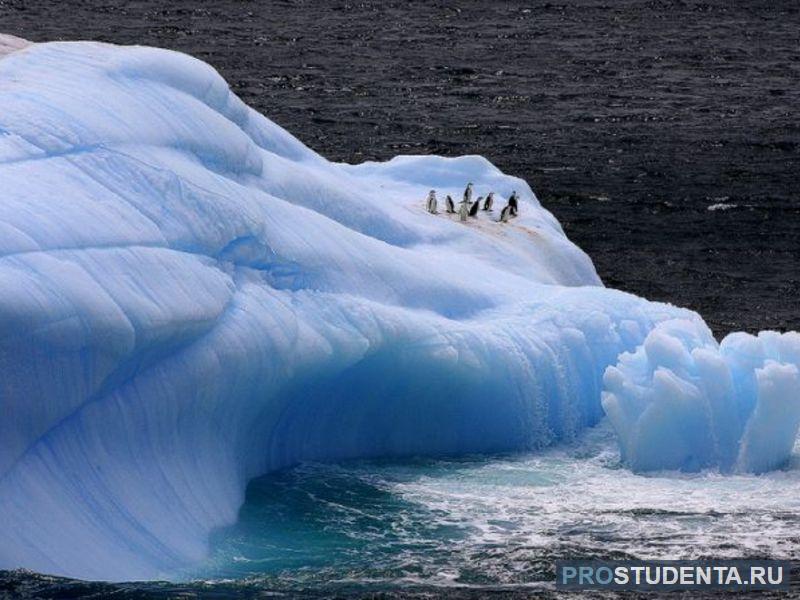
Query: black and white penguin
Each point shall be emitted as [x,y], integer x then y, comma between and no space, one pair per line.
[463,210]
[451,206]
[505,214]
[468,193]
[487,205]
[513,203]
[431,205]
[473,210]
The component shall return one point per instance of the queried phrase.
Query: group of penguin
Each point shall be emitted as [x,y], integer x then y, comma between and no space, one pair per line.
[468,208]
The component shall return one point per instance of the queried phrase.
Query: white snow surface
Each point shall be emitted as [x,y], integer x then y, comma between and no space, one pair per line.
[190,298]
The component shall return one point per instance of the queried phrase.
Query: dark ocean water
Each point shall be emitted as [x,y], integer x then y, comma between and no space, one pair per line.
[665,138]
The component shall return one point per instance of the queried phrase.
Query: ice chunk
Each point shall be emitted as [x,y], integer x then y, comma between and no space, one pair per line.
[682,402]
[772,429]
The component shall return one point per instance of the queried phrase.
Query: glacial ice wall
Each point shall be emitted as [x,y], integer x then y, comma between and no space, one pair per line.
[189,298]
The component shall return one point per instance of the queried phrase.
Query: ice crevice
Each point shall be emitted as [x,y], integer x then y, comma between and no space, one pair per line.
[190,298]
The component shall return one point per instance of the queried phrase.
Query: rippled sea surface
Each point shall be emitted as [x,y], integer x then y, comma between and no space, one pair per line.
[495,523]
[662,134]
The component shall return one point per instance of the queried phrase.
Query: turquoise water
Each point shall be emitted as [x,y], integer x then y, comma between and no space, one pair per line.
[493,522]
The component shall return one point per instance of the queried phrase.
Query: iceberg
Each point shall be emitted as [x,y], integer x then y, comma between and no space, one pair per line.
[191,298]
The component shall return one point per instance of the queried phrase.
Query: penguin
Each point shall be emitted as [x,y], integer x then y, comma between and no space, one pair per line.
[512,202]
[473,210]
[431,205]
[505,214]
[451,206]
[487,205]
[463,210]
[468,193]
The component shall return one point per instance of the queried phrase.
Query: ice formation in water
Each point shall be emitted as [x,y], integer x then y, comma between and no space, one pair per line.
[189,298]
[682,401]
